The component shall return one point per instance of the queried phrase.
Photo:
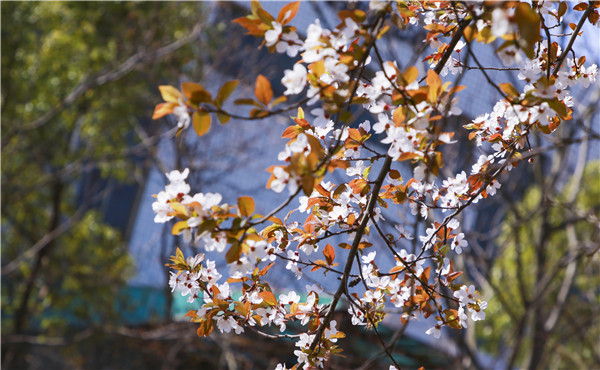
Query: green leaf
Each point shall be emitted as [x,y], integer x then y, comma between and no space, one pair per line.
[223,118]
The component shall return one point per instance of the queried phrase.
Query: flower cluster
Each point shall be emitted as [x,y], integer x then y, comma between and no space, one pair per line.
[175,201]
[405,145]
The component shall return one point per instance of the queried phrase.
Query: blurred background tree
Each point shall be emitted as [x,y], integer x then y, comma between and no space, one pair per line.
[78,83]
[545,279]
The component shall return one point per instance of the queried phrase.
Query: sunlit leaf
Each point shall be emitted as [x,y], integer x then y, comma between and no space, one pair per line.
[201,122]
[170,94]
[246,206]
[288,12]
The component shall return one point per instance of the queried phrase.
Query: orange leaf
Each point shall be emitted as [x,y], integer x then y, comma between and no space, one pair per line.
[292,132]
[435,83]
[191,314]
[275,220]
[425,275]
[509,89]
[163,109]
[329,254]
[410,75]
[351,219]
[265,269]
[396,269]
[201,122]
[179,227]
[252,25]
[268,298]
[288,12]
[246,206]
[398,116]
[263,90]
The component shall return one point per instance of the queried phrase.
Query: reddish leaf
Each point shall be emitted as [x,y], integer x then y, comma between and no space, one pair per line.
[329,254]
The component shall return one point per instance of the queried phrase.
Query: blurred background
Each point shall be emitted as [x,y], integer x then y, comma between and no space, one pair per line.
[83,279]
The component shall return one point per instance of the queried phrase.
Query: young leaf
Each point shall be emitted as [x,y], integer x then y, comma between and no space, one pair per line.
[410,75]
[509,89]
[268,298]
[246,206]
[201,122]
[329,254]
[234,253]
[179,227]
[223,118]
[163,109]
[225,91]
[170,94]
[288,12]
[195,93]
[435,83]
[265,269]
[263,90]
[528,21]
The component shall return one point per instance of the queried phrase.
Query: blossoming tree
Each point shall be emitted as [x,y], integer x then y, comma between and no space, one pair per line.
[337,73]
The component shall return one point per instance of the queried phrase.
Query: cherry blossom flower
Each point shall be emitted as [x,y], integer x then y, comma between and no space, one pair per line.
[458,243]
[369,257]
[294,80]
[435,331]
[182,114]
[291,297]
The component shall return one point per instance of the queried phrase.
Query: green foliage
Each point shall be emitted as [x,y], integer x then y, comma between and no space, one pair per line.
[95,263]
[50,143]
[525,243]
